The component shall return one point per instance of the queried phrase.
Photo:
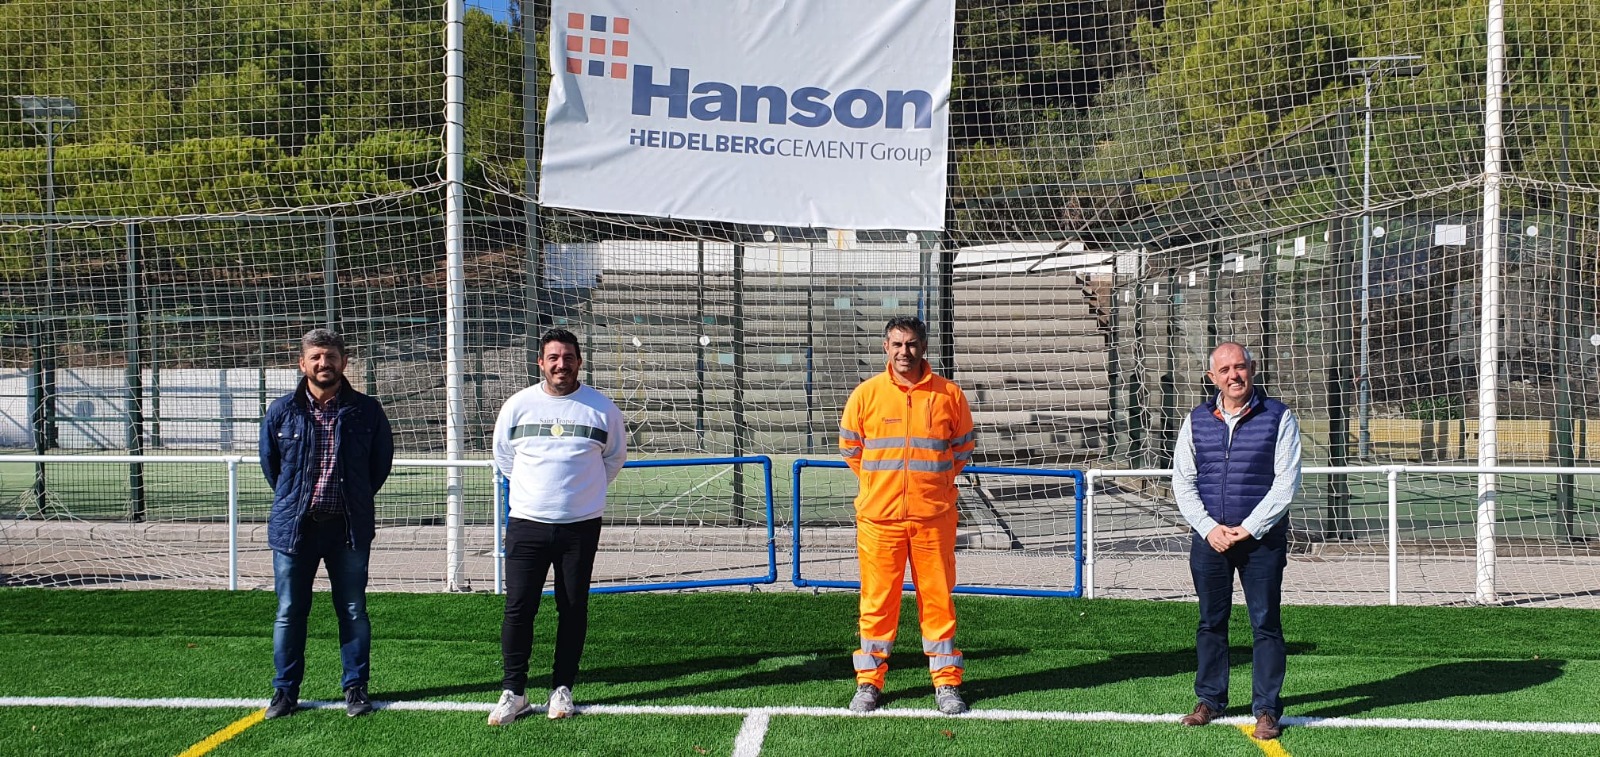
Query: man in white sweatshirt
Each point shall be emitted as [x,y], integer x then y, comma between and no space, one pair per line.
[559,444]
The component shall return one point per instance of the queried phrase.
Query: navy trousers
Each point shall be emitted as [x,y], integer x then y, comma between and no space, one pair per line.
[1259,565]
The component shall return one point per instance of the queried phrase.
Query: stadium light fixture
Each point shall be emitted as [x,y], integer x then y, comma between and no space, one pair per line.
[1372,71]
[46,110]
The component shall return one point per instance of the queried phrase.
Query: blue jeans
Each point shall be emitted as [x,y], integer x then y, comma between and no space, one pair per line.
[326,542]
[1259,564]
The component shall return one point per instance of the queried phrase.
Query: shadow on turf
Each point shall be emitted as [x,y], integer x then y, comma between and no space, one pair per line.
[831,664]
[1115,669]
[1452,679]
[808,665]
[491,688]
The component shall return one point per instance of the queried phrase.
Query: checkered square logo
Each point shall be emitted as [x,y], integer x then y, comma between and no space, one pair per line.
[597,45]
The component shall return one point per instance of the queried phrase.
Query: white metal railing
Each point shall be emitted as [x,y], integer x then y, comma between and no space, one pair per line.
[455,531]
[1485,536]
[454,528]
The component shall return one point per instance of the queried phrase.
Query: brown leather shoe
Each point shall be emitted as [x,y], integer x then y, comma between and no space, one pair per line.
[1202,714]
[1267,726]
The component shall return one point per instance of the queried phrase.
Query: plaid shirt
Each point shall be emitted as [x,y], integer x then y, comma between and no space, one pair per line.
[325,494]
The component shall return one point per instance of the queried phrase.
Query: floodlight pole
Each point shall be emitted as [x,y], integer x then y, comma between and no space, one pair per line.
[1371,70]
[48,113]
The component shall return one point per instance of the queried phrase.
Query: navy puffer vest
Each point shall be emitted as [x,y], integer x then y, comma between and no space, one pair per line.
[1234,477]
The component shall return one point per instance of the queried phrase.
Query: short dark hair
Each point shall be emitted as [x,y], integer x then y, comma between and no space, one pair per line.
[324,338]
[563,336]
[907,323]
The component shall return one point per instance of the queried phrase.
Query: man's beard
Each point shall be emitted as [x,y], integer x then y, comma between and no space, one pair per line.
[329,384]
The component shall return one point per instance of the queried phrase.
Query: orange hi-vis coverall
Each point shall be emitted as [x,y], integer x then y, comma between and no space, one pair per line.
[907,444]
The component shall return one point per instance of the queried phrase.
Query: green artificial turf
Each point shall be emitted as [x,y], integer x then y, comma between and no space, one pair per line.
[786,649]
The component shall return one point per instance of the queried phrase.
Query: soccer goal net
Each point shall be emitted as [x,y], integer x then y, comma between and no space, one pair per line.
[1394,208]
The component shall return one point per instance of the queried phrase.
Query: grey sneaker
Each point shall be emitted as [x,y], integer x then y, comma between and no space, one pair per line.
[949,700]
[510,707]
[283,703]
[561,704]
[866,698]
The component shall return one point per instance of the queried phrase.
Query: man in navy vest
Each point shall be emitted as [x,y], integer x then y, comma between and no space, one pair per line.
[1234,471]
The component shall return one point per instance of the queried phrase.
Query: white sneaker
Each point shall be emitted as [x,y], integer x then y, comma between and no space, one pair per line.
[510,707]
[561,704]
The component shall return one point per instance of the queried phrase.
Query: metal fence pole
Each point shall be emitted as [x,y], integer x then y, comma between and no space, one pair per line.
[738,380]
[233,524]
[1090,481]
[1394,535]
[134,436]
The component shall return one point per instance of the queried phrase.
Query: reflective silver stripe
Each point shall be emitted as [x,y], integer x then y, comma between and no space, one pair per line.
[948,646]
[923,442]
[849,452]
[964,456]
[879,646]
[921,466]
[963,439]
[893,442]
[938,661]
[866,662]
[845,433]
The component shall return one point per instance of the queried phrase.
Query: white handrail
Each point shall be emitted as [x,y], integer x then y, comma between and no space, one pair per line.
[232,462]
[1391,472]
[1092,479]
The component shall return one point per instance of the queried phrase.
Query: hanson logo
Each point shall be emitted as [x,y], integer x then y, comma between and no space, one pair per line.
[807,106]
[597,46]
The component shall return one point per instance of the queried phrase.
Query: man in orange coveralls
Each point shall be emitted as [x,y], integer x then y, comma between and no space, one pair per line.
[907,433]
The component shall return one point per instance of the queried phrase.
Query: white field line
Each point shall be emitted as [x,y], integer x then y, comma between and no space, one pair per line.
[1588,729]
[751,735]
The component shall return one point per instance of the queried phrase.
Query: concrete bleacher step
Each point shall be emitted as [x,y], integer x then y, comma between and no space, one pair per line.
[1034,361]
[688,399]
[1044,339]
[1038,311]
[993,380]
[1022,326]
[1038,399]
[1033,419]
[1052,282]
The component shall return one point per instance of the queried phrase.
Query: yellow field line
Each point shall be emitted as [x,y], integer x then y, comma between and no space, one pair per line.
[215,740]
[1270,748]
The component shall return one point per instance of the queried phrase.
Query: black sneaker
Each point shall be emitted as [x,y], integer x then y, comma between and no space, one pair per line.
[356,702]
[283,703]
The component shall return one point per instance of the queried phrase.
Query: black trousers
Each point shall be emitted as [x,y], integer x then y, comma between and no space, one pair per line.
[531,548]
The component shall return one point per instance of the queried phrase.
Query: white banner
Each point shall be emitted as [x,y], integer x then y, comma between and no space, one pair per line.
[819,113]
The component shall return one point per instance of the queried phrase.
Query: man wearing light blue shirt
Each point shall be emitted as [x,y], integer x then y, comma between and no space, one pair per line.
[1235,469]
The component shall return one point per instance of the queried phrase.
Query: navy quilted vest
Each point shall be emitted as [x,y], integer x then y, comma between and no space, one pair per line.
[1232,478]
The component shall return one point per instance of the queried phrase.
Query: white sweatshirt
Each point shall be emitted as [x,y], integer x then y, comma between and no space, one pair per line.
[559,453]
